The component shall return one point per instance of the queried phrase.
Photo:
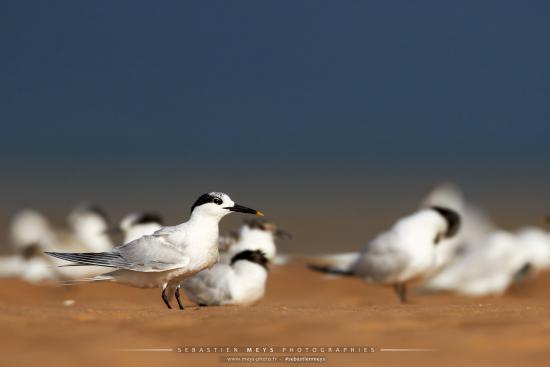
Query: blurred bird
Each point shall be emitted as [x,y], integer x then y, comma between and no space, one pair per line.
[409,250]
[169,255]
[29,227]
[32,234]
[475,224]
[89,229]
[241,282]
[30,265]
[136,225]
[254,234]
[492,265]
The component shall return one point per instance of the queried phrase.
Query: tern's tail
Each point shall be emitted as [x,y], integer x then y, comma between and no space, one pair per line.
[98,278]
[337,264]
[106,259]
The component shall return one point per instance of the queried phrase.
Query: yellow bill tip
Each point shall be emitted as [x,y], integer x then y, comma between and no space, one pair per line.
[259,213]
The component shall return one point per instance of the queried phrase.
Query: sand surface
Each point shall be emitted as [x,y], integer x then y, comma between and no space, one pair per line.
[301,309]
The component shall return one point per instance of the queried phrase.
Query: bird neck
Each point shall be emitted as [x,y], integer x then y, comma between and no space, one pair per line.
[204,220]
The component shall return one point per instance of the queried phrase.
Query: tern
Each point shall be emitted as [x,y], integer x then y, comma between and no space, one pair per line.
[30,265]
[475,224]
[169,255]
[89,225]
[254,234]
[29,227]
[136,225]
[32,235]
[408,251]
[492,265]
[89,231]
[242,282]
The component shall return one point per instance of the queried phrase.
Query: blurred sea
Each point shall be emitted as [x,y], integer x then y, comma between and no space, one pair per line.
[327,206]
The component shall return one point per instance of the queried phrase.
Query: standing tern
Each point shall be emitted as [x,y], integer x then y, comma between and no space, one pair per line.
[408,251]
[169,255]
[242,282]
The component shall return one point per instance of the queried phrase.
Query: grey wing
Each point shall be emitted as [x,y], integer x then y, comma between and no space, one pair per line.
[108,259]
[165,231]
[152,254]
[380,261]
[209,286]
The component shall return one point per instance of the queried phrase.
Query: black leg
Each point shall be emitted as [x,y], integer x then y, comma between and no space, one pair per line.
[165,298]
[403,296]
[401,291]
[203,305]
[180,303]
[396,289]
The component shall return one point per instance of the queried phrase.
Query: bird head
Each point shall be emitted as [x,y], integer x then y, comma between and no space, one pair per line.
[218,204]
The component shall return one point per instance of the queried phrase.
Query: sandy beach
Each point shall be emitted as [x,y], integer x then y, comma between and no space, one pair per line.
[302,309]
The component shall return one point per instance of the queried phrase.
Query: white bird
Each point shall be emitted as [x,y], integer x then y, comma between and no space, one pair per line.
[475,224]
[89,230]
[536,244]
[136,225]
[241,282]
[169,255]
[408,251]
[30,265]
[29,227]
[88,227]
[491,266]
[254,234]
[32,234]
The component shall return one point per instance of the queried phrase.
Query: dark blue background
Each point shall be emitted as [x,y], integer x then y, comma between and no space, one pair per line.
[275,80]
[284,104]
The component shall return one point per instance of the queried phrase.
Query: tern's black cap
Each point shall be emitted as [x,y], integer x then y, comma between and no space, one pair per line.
[255,256]
[452,218]
[210,197]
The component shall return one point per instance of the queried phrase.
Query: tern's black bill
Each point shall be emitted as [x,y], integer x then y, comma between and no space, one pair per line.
[244,209]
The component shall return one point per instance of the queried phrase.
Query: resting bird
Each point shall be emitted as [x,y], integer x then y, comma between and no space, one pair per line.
[493,264]
[242,282]
[136,225]
[32,234]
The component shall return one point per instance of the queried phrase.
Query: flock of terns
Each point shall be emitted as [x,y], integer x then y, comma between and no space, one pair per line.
[447,244]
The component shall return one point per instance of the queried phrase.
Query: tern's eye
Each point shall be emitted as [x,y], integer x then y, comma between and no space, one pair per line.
[217,201]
